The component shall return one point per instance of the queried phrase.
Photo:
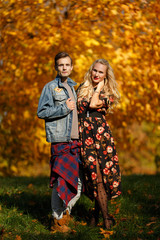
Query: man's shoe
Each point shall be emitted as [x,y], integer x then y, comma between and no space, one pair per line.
[60,226]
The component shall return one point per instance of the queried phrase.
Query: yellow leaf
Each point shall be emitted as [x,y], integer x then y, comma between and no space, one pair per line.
[14,168]
[12,33]
[51,40]
[114,12]
[26,114]
[90,42]
[97,31]
[106,233]
[148,107]
[83,223]
[17,72]
[124,124]
[89,9]
[13,116]
[13,66]
[125,7]
[155,84]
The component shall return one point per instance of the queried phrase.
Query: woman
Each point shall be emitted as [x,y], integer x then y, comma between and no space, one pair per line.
[96,95]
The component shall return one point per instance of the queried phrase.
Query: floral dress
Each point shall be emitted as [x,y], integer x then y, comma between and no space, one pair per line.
[97,144]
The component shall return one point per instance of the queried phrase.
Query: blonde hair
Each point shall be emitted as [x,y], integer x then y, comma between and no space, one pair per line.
[110,86]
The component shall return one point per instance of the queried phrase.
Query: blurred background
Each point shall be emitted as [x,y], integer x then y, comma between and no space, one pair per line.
[126,33]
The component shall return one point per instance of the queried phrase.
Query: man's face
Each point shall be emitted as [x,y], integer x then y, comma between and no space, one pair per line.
[64,67]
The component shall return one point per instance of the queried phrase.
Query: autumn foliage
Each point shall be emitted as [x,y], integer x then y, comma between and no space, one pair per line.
[127,33]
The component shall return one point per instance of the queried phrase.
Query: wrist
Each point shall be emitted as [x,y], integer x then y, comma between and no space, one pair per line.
[96,91]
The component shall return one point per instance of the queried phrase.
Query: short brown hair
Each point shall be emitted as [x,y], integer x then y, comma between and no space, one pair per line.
[61,55]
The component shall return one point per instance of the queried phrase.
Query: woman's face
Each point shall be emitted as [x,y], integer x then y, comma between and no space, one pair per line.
[98,73]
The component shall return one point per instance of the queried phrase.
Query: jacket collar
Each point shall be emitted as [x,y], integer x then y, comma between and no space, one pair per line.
[69,81]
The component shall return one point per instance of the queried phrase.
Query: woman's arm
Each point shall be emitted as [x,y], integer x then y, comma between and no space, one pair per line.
[95,101]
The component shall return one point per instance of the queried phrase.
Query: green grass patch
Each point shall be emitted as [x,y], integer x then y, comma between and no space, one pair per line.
[25,211]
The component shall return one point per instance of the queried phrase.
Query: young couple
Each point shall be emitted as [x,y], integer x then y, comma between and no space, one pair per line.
[82,146]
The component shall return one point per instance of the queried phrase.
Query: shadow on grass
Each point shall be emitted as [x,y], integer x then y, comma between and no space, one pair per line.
[33,196]
[138,205]
[29,195]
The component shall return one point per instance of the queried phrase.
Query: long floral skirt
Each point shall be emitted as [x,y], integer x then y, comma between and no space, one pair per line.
[97,145]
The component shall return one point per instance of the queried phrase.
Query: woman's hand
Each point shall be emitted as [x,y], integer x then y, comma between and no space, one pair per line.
[95,101]
[100,86]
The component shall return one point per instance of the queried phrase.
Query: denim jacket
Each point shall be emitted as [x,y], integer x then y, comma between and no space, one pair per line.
[53,109]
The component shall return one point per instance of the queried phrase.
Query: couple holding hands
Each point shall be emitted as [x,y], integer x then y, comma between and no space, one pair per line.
[83,154]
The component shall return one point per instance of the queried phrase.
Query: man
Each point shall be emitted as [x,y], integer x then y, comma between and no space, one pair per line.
[57,106]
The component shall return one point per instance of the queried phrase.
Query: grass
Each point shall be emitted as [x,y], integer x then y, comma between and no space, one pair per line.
[25,211]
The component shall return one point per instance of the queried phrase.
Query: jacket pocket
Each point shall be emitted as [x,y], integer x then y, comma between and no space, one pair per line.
[60,97]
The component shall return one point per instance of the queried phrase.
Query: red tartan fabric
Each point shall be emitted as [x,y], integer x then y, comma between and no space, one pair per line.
[65,158]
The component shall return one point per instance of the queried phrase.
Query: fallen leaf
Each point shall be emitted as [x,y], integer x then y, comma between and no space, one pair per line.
[116,211]
[148,224]
[30,185]
[18,237]
[106,233]
[53,231]
[34,220]
[113,201]
[100,224]
[83,223]
[129,191]
[150,232]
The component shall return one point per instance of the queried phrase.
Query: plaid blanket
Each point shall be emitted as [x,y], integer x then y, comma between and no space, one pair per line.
[65,158]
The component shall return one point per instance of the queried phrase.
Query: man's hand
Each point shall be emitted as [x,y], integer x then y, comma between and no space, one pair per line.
[70,104]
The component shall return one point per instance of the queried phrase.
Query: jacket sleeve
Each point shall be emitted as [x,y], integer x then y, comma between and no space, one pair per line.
[46,107]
